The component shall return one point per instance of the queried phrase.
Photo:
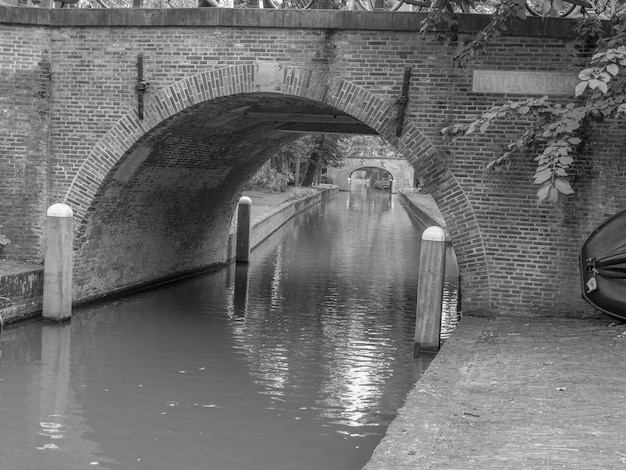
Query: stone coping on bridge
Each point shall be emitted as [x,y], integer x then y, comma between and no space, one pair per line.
[270,18]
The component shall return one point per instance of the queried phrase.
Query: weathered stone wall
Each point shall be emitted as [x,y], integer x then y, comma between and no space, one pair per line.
[22,292]
[156,196]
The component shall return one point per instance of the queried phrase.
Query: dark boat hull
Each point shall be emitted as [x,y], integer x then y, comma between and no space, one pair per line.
[603,267]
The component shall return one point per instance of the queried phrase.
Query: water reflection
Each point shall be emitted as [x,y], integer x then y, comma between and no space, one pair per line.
[35,383]
[299,360]
[340,313]
[54,384]
[240,292]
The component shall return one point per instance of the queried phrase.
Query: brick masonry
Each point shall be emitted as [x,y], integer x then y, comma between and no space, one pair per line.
[154,197]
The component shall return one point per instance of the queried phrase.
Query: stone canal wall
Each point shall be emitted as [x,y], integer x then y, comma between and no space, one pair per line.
[21,287]
[21,292]
[422,208]
[266,223]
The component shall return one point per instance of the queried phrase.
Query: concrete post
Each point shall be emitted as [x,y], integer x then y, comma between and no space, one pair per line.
[244,225]
[430,290]
[296,176]
[57,272]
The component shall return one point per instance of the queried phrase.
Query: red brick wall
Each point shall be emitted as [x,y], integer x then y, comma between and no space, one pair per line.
[154,197]
[24,145]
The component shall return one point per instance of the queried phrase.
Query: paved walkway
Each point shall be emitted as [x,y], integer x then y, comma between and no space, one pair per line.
[516,393]
[263,202]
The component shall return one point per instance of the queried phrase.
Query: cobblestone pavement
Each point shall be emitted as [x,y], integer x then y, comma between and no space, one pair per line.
[516,393]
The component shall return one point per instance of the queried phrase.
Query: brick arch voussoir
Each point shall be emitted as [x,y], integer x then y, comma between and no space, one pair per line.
[205,86]
[125,133]
[457,210]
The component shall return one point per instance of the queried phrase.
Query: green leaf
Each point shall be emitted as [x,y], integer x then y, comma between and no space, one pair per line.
[566,161]
[542,193]
[553,195]
[544,166]
[594,83]
[543,176]
[563,186]
[585,74]
[603,87]
[4,240]
[613,69]
[597,55]
[580,88]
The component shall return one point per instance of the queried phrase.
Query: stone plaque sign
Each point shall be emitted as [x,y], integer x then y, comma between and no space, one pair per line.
[520,82]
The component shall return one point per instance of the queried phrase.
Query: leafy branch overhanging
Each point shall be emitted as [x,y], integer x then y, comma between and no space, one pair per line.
[556,133]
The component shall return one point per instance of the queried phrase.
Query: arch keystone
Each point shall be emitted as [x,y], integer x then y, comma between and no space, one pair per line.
[268,77]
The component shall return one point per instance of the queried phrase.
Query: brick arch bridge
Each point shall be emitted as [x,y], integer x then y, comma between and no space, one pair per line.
[154,197]
[202,138]
[402,173]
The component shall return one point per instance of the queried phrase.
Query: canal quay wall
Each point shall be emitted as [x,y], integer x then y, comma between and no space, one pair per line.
[423,208]
[272,211]
[516,393]
[21,285]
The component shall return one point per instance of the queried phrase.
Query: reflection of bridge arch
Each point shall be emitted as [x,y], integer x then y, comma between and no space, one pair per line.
[402,173]
[154,198]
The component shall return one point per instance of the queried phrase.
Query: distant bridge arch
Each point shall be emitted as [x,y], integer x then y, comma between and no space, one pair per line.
[402,173]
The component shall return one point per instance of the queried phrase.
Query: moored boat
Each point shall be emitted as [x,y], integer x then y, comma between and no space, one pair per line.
[603,267]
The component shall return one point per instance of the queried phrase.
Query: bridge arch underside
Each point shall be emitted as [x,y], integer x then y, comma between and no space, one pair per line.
[163,206]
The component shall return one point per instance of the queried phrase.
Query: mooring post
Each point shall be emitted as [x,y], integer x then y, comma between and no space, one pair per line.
[57,271]
[430,290]
[240,295]
[296,173]
[244,223]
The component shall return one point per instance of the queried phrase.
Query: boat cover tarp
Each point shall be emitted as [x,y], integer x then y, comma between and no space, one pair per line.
[603,266]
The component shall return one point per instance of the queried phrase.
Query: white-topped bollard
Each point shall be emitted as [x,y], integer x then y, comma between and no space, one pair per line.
[244,226]
[430,290]
[57,271]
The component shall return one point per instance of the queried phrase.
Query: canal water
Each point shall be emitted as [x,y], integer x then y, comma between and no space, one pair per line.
[299,361]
